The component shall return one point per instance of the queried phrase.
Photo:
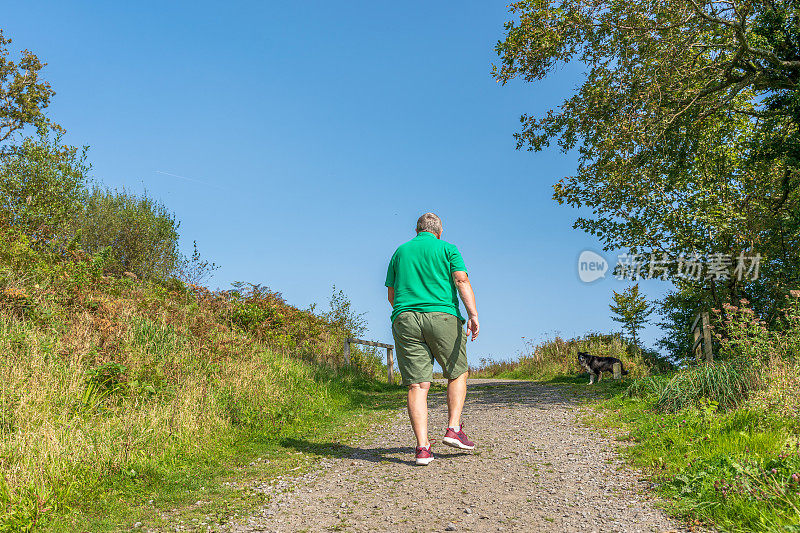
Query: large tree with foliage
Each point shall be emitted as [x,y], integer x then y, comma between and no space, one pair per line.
[686,127]
[23,94]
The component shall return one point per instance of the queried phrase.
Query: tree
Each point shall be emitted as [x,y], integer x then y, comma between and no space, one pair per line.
[138,234]
[686,127]
[677,310]
[23,95]
[43,186]
[631,309]
[342,315]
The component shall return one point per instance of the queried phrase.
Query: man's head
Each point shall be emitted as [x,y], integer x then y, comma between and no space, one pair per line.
[430,222]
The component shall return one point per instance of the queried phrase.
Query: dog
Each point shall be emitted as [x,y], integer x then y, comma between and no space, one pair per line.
[597,365]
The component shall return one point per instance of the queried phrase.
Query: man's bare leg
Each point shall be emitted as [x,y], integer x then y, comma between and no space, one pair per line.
[418,411]
[456,394]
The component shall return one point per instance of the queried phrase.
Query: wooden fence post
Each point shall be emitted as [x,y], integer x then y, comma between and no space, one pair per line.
[390,365]
[389,353]
[697,344]
[696,333]
[707,338]
[617,371]
[701,330]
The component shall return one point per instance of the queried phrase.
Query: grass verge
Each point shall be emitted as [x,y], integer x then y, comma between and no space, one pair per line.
[736,470]
[201,491]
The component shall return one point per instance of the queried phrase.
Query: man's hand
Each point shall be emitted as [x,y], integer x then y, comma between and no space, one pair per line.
[473,327]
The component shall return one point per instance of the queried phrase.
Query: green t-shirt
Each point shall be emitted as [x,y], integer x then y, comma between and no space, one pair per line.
[421,272]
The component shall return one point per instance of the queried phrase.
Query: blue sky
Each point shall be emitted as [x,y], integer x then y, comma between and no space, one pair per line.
[297,143]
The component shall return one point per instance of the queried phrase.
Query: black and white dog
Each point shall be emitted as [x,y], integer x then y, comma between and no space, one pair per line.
[597,365]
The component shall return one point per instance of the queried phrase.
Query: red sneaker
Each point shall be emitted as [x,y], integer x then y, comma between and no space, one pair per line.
[424,455]
[458,439]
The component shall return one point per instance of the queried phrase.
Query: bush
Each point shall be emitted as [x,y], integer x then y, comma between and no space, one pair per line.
[43,186]
[140,233]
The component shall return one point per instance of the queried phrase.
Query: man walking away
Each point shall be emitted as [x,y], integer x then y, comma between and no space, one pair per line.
[425,278]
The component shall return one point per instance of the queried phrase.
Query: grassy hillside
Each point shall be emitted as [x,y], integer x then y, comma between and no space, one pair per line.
[121,400]
[558,358]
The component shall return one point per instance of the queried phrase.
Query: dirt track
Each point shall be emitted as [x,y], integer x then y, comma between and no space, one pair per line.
[534,468]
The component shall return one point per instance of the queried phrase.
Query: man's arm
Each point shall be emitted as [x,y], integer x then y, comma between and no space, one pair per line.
[391,296]
[464,287]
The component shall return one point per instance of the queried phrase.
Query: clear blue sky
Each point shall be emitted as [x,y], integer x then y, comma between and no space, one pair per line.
[314,134]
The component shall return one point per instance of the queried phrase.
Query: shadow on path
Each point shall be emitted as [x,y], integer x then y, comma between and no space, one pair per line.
[525,394]
[370,455]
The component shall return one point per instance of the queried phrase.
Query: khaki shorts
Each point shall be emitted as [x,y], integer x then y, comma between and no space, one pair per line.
[422,337]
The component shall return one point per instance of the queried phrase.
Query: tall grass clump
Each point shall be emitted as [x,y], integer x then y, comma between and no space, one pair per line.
[647,387]
[728,383]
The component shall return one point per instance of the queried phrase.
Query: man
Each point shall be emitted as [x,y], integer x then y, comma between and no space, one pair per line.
[425,277]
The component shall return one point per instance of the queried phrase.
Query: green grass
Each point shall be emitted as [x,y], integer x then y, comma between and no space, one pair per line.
[162,488]
[727,384]
[244,458]
[737,470]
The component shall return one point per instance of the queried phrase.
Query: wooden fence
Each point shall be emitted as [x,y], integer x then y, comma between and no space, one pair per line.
[701,329]
[389,354]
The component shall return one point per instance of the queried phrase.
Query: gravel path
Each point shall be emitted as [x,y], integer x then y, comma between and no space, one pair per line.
[534,468]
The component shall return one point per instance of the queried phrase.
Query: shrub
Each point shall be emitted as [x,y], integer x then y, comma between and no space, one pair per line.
[140,233]
[43,186]
[195,269]
[342,315]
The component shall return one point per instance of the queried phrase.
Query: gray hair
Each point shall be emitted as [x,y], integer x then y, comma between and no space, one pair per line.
[429,222]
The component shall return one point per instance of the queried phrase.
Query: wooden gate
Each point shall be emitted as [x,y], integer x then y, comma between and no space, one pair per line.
[389,354]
